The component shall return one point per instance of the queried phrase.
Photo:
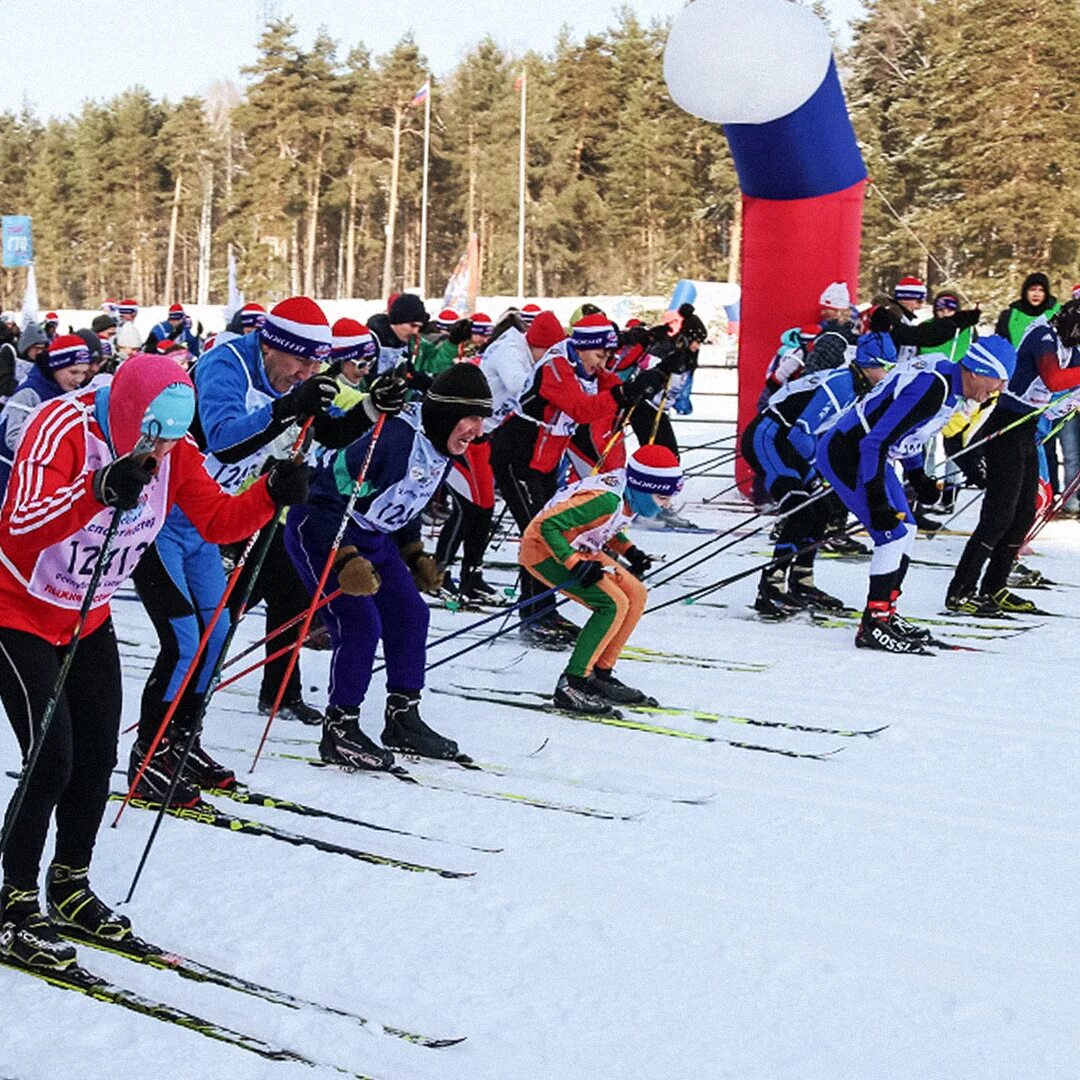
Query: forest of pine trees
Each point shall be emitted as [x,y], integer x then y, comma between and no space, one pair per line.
[967,111]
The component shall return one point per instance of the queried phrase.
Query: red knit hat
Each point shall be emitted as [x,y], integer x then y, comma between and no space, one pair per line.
[51,316]
[482,324]
[252,315]
[446,318]
[594,332]
[528,313]
[176,311]
[910,288]
[298,326]
[655,469]
[67,349]
[353,341]
[545,331]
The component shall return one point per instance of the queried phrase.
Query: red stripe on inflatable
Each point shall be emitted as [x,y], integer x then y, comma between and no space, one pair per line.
[791,251]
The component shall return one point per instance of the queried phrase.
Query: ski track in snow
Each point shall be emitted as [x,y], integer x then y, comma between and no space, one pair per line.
[905,909]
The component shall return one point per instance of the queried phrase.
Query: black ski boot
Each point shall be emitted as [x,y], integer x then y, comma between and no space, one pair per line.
[773,602]
[343,743]
[602,683]
[26,936]
[200,769]
[543,634]
[298,710]
[575,694]
[405,731]
[801,587]
[973,604]
[876,631]
[475,590]
[73,903]
[158,775]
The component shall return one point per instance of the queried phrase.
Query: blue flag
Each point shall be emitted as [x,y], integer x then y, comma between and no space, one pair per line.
[18,242]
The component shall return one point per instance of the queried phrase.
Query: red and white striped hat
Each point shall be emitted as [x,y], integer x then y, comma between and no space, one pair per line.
[594,332]
[353,341]
[482,324]
[910,288]
[1076,292]
[51,316]
[529,312]
[252,315]
[299,327]
[655,469]
[128,307]
[67,349]
[176,311]
[446,318]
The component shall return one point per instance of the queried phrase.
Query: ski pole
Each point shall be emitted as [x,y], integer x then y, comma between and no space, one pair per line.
[104,557]
[722,491]
[660,411]
[358,484]
[995,434]
[204,640]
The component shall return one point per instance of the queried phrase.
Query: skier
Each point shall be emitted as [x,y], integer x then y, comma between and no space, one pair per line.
[568,544]
[398,330]
[780,445]
[932,335]
[82,461]
[253,391]
[1047,362]
[172,328]
[381,567]
[894,422]
[62,368]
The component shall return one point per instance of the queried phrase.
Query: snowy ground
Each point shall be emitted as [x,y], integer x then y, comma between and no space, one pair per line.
[905,909]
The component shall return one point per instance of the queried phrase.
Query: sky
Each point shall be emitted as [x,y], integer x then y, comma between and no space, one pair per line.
[174,49]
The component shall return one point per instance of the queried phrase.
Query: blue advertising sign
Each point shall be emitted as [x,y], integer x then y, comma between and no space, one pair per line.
[17,240]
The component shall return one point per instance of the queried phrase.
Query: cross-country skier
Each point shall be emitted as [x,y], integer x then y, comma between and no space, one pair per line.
[569,544]
[75,470]
[381,566]
[780,445]
[893,423]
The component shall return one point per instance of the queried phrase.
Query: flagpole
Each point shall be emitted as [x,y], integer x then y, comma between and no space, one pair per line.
[424,197]
[521,191]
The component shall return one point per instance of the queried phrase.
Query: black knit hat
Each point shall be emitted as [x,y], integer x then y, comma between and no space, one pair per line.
[407,308]
[460,391]
[103,322]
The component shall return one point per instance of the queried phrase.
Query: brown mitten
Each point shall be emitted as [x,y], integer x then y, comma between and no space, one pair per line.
[356,576]
[425,570]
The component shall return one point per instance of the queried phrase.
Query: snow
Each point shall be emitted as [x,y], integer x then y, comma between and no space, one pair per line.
[905,908]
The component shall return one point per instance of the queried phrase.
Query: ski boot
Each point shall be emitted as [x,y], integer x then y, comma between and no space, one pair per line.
[405,731]
[876,631]
[72,903]
[297,710]
[773,602]
[670,519]
[973,604]
[475,590]
[343,743]
[1011,604]
[158,776]
[575,694]
[201,769]
[802,589]
[545,634]
[1023,577]
[840,543]
[27,937]
[603,684]
[917,633]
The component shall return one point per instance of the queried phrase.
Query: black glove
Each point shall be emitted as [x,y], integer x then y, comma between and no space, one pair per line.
[636,335]
[640,387]
[973,466]
[388,392]
[120,483]
[927,491]
[309,398]
[640,563]
[883,515]
[881,320]
[968,318]
[678,361]
[287,481]
[587,573]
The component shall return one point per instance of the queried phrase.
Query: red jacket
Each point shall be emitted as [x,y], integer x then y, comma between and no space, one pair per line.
[568,403]
[50,519]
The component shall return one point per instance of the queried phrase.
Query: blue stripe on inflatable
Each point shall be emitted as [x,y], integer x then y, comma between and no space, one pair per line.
[810,152]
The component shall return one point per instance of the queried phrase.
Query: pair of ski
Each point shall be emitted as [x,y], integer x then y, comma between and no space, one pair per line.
[536,701]
[79,979]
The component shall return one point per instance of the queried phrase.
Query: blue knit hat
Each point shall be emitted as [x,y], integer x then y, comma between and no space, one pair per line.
[992,356]
[875,350]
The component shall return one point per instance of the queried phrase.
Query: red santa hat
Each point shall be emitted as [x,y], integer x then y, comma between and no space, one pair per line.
[298,326]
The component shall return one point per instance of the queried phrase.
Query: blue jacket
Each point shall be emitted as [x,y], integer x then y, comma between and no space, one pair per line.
[163,330]
[804,406]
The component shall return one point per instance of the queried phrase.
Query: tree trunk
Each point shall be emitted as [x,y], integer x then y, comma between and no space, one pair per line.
[735,243]
[314,194]
[202,291]
[294,258]
[170,257]
[339,282]
[350,246]
[391,216]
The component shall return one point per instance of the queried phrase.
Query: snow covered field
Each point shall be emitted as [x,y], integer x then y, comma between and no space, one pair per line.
[904,909]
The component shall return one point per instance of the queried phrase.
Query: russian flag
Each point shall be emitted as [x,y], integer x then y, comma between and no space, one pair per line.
[421,95]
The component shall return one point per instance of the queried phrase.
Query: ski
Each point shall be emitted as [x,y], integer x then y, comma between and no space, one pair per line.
[420,780]
[631,651]
[77,978]
[241,793]
[707,717]
[205,813]
[144,952]
[623,722]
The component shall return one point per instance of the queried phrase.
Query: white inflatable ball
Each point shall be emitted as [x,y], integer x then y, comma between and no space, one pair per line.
[745,61]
